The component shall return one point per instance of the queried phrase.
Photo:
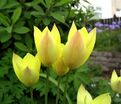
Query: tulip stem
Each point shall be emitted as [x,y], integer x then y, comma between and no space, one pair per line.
[58,90]
[65,87]
[31,94]
[47,86]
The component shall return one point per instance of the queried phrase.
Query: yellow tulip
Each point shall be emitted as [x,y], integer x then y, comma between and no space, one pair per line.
[84,97]
[78,47]
[116,82]
[27,69]
[59,67]
[47,44]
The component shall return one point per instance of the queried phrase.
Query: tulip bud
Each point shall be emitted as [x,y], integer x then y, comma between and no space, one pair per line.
[78,47]
[116,82]
[84,97]
[48,45]
[59,66]
[27,69]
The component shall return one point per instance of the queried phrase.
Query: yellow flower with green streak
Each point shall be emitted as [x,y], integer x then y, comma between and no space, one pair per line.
[27,69]
[116,82]
[84,97]
[47,44]
[79,46]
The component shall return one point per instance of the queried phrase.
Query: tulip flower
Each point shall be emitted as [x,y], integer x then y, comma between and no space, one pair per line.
[27,69]
[47,44]
[116,82]
[78,47]
[59,66]
[84,97]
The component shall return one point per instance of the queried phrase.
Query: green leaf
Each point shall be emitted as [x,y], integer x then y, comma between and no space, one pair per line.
[48,3]
[16,15]
[4,20]
[21,30]
[63,2]
[9,29]
[4,36]
[58,16]
[21,46]
[46,21]
[2,3]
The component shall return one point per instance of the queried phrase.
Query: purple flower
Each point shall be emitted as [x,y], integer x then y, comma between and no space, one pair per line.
[98,24]
[99,30]
[112,27]
[114,23]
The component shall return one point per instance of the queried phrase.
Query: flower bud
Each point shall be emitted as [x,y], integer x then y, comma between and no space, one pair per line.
[116,82]
[47,44]
[84,97]
[27,69]
[78,47]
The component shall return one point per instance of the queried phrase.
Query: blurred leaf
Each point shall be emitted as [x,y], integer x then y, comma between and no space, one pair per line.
[4,36]
[9,29]
[29,41]
[21,30]
[63,2]
[58,16]
[11,5]
[16,15]
[46,21]
[21,46]
[2,3]
[48,3]
[4,20]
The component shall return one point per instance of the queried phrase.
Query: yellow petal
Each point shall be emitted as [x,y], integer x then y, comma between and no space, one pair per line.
[116,82]
[59,66]
[37,37]
[89,46]
[55,33]
[102,99]
[72,31]
[17,65]
[49,51]
[114,76]
[27,69]
[84,33]
[83,96]
[73,51]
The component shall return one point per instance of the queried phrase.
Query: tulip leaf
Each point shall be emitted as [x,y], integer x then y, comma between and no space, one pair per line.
[21,46]
[16,14]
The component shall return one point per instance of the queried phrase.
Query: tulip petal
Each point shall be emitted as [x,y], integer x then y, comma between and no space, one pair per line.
[84,33]
[83,96]
[89,46]
[37,37]
[17,65]
[49,51]
[55,33]
[116,82]
[73,51]
[114,76]
[59,66]
[72,31]
[102,99]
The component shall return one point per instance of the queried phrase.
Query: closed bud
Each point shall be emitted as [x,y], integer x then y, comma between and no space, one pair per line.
[27,69]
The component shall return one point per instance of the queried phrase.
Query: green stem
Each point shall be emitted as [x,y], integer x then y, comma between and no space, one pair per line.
[65,87]
[58,90]
[55,82]
[31,95]
[47,86]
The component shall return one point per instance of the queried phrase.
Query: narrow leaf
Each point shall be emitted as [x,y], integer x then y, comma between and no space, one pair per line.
[16,15]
